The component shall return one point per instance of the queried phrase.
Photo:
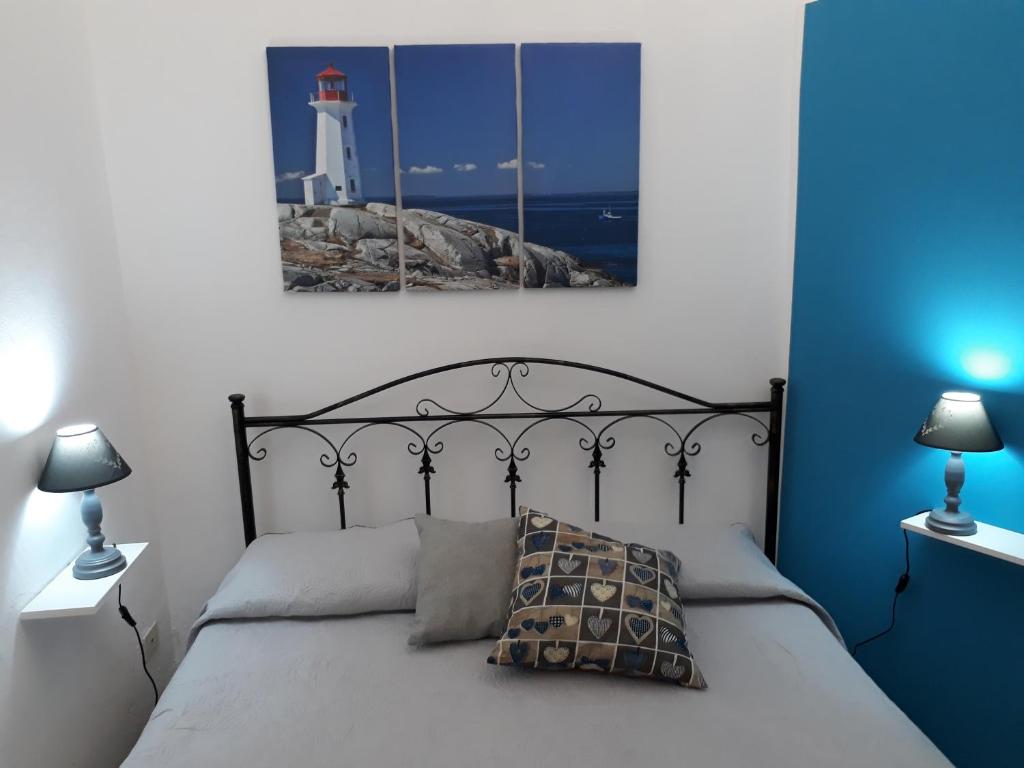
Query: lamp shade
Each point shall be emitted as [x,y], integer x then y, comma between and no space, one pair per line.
[81,458]
[958,422]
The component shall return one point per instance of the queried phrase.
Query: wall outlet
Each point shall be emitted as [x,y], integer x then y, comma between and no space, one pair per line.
[151,639]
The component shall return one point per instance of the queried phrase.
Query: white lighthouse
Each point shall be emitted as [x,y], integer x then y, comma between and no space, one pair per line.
[336,178]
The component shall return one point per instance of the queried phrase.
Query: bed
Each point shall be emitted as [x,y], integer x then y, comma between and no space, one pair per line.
[301,657]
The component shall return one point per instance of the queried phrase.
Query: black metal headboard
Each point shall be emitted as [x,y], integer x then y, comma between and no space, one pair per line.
[587,411]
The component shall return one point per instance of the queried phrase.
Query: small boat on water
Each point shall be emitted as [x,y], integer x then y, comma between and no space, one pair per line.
[607,215]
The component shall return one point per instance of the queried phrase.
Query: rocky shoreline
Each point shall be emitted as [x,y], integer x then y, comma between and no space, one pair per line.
[354,249]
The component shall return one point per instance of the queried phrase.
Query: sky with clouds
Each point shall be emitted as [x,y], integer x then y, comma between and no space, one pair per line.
[457,119]
[581,117]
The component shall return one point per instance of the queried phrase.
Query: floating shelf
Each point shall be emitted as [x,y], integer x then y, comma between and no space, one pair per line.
[68,596]
[989,540]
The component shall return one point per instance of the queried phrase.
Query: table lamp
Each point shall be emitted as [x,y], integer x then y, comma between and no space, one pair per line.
[82,459]
[958,424]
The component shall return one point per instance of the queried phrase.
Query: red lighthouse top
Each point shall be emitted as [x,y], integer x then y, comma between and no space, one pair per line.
[332,85]
[330,74]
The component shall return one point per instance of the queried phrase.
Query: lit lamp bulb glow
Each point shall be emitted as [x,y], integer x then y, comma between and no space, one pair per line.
[28,385]
[986,364]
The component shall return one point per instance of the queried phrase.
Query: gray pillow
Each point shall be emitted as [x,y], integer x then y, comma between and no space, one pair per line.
[464,579]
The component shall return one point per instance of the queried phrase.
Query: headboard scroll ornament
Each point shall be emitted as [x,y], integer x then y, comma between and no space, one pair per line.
[511,413]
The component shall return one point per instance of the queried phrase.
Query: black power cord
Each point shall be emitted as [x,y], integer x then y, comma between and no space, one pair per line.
[130,621]
[901,586]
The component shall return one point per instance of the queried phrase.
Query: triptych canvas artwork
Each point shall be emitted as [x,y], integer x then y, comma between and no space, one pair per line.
[473,213]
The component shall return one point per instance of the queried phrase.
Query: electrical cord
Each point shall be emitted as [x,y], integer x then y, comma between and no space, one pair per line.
[901,586]
[130,621]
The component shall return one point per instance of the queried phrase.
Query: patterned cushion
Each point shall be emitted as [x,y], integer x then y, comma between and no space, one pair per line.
[583,601]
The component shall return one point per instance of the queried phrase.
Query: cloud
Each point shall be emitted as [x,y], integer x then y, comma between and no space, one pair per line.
[289,176]
[464,167]
[509,165]
[424,169]
[534,164]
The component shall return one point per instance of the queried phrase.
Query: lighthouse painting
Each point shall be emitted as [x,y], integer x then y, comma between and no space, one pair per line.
[330,111]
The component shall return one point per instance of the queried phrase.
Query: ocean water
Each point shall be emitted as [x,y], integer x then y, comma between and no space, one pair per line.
[573,223]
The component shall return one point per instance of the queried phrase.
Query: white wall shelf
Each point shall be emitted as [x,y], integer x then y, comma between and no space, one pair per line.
[989,540]
[68,596]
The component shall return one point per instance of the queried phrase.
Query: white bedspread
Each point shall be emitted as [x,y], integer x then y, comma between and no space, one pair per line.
[349,691]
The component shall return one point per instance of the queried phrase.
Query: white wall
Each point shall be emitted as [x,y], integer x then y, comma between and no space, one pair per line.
[72,692]
[182,100]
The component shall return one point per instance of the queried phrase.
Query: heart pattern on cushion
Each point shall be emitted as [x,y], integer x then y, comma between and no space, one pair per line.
[638,602]
[567,564]
[673,569]
[642,573]
[642,555]
[639,627]
[556,655]
[603,592]
[558,591]
[670,588]
[668,636]
[528,571]
[541,541]
[634,659]
[518,651]
[529,592]
[632,614]
[599,625]
[671,671]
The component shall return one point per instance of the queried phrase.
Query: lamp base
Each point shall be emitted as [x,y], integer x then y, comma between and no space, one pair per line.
[96,565]
[951,523]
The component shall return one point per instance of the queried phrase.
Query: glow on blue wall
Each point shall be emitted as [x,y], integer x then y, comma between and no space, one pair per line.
[909,280]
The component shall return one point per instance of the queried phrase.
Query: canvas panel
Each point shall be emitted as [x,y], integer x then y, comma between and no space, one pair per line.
[330,112]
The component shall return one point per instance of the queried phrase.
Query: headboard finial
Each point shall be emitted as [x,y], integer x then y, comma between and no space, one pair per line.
[242,459]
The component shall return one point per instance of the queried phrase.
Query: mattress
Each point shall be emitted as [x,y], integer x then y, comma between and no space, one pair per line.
[347,690]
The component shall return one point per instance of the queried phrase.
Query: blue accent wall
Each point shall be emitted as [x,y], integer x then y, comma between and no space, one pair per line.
[909,280]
